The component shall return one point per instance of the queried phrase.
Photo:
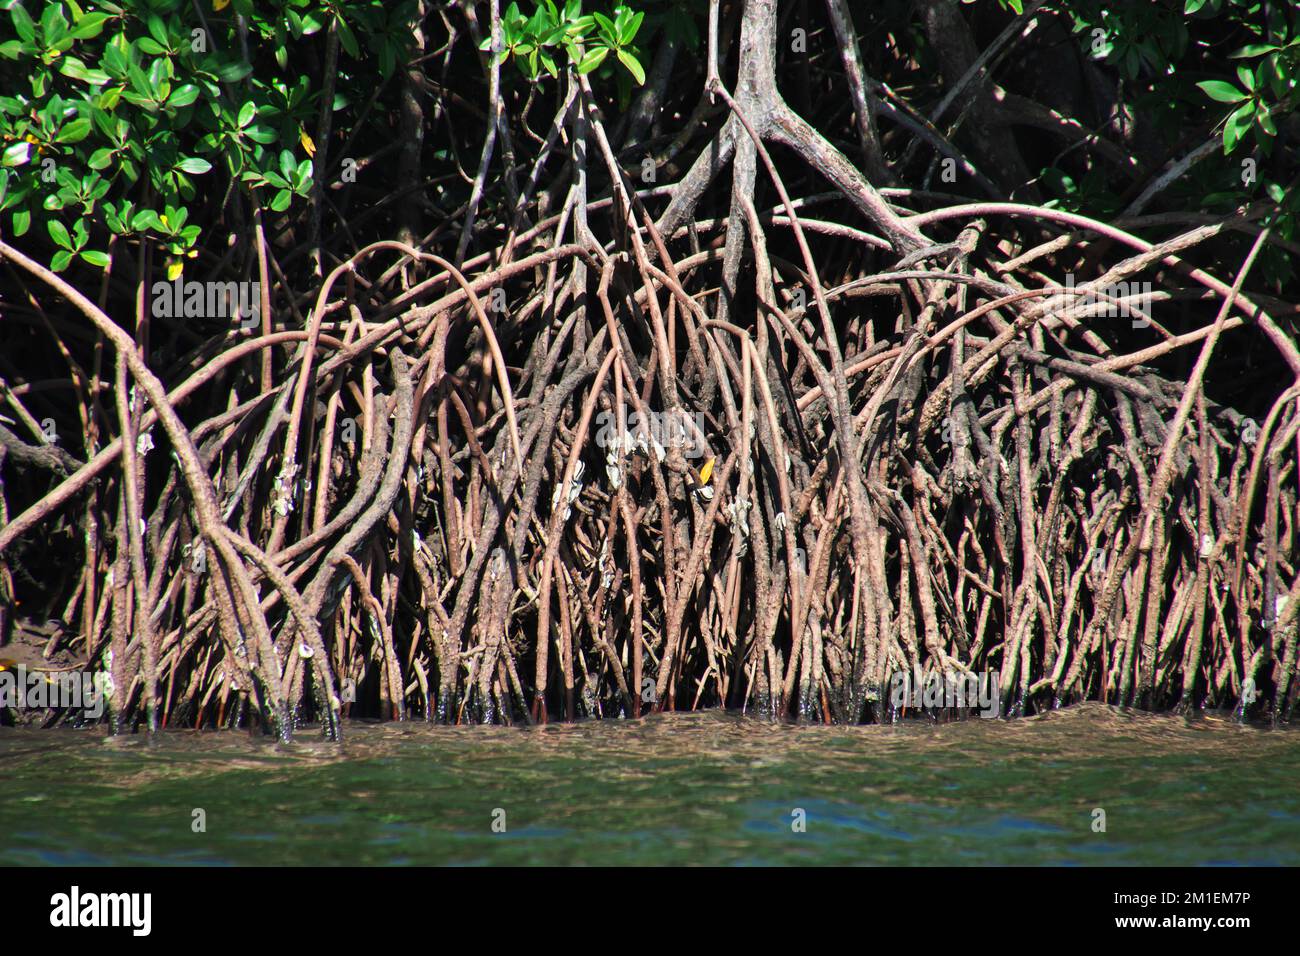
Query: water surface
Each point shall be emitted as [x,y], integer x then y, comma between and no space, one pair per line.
[673,789]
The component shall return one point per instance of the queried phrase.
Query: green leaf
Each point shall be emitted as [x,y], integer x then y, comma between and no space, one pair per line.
[627,32]
[160,85]
[281,200]
[1237,125]
[234,72]
[592,59]
[139,82]
[107,100]
[23,24]
[22,221]
[183,96]
[150,46]
[90,25]
[74,132]
[59,233]
[11,48]
[633,66]
[528,65]
[95,258]
[1252,49]
[193,165]
[73,67]
[60,260]
[16,154]
[147,219]
[115,60]
[246,114]
[157,29]
[1221,91]
[348,39]
[260,134]
[606,26]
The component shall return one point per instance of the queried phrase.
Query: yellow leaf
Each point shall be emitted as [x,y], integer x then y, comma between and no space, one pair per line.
[307,144]
[707,471]
[220,5]
[174,269]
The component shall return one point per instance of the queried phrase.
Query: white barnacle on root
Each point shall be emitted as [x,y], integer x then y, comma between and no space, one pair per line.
[602,561]
[738,517]
[284,488]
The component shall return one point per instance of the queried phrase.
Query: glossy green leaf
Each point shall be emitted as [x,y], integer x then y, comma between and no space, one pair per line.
[59,233]
[15,154]
[1221,91]
[23,24]
[74,132]
[633,66]
[592,59]
[89,26]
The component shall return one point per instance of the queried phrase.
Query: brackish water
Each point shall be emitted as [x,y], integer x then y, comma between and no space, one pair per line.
[700,789]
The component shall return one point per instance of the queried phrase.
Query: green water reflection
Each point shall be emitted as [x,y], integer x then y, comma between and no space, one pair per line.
[701,788]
